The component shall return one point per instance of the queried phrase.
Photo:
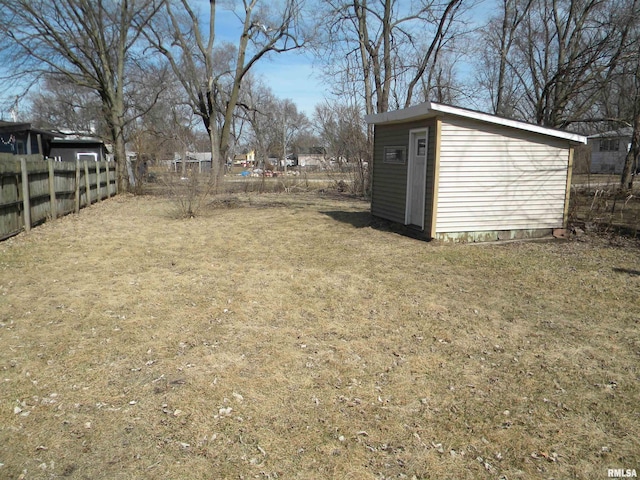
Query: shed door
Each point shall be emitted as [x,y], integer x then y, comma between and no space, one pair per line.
[416,178]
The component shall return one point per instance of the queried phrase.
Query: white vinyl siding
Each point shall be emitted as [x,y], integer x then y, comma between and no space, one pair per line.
[499,178]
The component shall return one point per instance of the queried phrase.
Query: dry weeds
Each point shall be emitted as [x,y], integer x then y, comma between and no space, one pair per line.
[281,336]
[597,203]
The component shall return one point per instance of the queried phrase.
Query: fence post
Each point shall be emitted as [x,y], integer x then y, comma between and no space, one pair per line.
[26,201]
[52,190]
[77,185]
[87,183]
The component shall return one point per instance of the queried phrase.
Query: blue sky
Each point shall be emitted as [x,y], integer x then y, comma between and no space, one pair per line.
[292,75]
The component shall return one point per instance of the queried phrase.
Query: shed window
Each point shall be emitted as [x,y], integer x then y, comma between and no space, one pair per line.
[396,155]
[609,144]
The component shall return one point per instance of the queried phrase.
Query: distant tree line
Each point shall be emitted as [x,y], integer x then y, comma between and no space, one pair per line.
[155,73]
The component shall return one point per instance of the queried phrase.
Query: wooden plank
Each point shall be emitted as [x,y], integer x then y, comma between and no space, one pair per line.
[115,178]
[77,199]
[98,183]
[10,202]
[112,179]
[64,180]
[25,194]
[10,192]
[52,189]
[106,176]
[87,183]
[33,190]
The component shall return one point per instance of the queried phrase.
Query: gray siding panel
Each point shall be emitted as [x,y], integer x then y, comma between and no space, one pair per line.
[389,181]
[498,178]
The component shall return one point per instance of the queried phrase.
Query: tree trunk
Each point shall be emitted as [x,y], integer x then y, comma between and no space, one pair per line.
[216,160]
[114,113]
[631,160]
[120,157]
[363,38]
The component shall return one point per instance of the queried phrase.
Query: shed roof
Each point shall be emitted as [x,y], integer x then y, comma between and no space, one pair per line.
[431,109]
[77,139]
[10,127]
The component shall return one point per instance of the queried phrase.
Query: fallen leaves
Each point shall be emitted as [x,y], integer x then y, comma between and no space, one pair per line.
[551,457]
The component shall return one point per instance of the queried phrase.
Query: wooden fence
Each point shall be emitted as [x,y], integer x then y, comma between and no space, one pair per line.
[33,190]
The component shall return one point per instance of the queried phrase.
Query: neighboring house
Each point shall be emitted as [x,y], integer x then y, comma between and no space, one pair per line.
[312,157]
[461,175]
[272,159]
[609,149]
[195,161]
[23,139]
[245,159]
[78,147]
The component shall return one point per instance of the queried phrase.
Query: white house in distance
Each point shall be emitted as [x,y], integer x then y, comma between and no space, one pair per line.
[460,175]
[609,149]
[311,157]
[195,161]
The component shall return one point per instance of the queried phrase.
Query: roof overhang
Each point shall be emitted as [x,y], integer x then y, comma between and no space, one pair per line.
[431,109]
[72,140]
[13,127]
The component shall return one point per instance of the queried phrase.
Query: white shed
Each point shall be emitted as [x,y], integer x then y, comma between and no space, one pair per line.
[462,175]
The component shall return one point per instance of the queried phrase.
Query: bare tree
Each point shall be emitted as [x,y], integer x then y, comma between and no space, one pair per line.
[292,124]
[441,83]
[275,125]
[495,53]
[632,159]
[550,58]
[85,42]
[61,105]
[388,47]
[629,94]
[212,72]
[167,128]
[259,106]
[344,134]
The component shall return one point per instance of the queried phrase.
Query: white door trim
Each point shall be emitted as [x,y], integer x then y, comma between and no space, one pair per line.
[413,133]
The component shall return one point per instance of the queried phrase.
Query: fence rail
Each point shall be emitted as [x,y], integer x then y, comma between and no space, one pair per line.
[33,190]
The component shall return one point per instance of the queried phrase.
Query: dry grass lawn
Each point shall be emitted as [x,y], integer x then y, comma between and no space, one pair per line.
[282,336]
